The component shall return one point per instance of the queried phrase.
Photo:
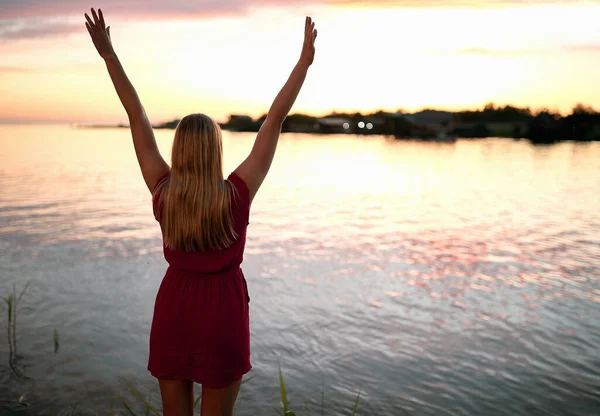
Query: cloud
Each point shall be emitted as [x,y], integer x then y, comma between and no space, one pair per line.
[478,51]
[14,69]
[496,52]
[8,69]
[590,47]
[143,9]
[199,8]
[34,28]
[27,19]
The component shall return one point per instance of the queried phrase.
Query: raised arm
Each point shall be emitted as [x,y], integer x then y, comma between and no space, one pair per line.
[254,169]
[152,164]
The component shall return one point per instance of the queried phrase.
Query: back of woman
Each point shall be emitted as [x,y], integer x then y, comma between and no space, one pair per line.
[203,217]
[200,329]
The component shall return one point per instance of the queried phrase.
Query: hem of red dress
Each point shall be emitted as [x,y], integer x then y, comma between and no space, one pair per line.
[201,380]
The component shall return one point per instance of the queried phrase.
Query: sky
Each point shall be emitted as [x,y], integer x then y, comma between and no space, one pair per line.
[223,57]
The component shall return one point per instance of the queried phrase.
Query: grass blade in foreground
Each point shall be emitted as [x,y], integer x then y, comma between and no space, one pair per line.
[282,389]
[284,403]
[356,404]
[55,340]
[323,400]
[126,406]
[141,398]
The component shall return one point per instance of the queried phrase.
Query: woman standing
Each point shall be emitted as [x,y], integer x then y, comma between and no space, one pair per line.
[200,329]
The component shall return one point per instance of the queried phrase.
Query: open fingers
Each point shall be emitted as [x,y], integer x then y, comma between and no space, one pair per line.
[312,33]
[96,20]
[309,27]
[89,21]
[101,16]
[306,28]
[305,36]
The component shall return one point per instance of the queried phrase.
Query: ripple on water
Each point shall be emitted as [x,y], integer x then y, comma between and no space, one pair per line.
[434,282]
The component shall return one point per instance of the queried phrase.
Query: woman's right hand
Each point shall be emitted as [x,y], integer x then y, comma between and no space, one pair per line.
[308,49]
[100,34]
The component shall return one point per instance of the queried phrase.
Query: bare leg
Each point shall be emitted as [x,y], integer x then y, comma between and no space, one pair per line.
[177,397]
[220,402]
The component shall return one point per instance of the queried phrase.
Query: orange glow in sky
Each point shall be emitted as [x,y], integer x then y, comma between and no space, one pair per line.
[368,57]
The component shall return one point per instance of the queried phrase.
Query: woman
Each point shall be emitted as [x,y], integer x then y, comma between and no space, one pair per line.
[200,329]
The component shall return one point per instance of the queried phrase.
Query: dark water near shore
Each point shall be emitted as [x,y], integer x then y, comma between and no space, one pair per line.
[436,279]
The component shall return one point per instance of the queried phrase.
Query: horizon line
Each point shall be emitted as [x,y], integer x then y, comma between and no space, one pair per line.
[333,111]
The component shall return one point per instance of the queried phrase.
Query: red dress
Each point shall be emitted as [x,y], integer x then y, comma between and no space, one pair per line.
[200,329]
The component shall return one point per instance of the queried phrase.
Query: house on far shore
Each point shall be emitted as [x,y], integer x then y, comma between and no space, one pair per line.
[356,124]
[239,123]
[374,124]
[329,125]
[167,125]
[431,123]
[492,129]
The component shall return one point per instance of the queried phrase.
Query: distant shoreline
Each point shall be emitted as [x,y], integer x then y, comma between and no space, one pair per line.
[101,126]
[545,126]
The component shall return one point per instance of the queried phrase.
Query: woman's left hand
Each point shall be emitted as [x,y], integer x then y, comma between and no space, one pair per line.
[100,34]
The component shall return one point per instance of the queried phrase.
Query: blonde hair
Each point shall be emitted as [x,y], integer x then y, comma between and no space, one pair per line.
[195,201]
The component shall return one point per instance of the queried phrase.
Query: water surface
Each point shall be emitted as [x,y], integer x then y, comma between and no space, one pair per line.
[436,279]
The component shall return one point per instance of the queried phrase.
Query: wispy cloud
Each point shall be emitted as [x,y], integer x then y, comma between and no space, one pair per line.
[27,19]
[34,28]
[479,51]
[14,69]
[590,47]
[189,8]
[158,9]
[459,4]
[498,52]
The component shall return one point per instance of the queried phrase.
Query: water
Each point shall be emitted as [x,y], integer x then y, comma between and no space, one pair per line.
[436,279]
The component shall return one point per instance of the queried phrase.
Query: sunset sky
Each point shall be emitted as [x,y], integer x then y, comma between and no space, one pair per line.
[232,56]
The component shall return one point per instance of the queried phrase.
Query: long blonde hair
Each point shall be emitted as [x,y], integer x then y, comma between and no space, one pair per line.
[195,201]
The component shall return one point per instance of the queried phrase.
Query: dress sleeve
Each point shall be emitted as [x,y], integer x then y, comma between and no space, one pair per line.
[156,197]
[241,198]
